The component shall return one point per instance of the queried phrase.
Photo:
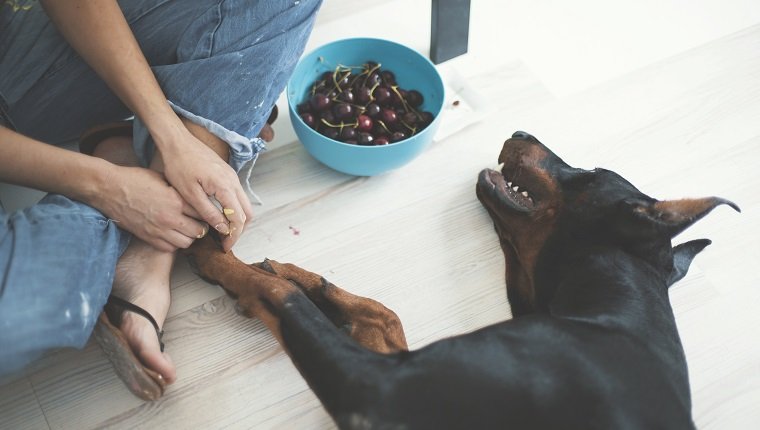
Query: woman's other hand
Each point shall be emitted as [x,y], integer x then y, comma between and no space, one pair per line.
[143,203]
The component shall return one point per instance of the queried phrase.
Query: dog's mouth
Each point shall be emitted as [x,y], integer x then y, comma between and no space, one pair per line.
[509,191]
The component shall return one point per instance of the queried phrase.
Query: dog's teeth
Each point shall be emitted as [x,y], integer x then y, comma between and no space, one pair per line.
[509,184]
[515,188]
[525,194]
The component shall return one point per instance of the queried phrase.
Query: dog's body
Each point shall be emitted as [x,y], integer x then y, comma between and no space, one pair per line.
[593,344]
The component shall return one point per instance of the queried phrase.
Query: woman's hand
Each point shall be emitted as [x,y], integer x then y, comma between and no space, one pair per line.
[197,173]
[99,32]
[140,200]
[143,203]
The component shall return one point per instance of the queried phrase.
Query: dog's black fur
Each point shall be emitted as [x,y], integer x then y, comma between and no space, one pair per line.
[593,342]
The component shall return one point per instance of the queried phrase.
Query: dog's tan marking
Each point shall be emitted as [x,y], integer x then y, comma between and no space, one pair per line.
[369,322]
[262,290]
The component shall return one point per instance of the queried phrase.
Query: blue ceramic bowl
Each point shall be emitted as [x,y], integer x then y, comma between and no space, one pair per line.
[412,70]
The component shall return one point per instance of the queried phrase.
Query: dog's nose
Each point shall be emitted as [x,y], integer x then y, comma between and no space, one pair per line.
[521,135]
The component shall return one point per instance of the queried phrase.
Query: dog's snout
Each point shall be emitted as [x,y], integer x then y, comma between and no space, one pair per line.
[521,135]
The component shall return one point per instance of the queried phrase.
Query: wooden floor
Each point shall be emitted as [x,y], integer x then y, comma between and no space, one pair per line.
[678,115]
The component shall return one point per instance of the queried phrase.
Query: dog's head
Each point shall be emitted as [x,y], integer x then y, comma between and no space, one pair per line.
[546,211]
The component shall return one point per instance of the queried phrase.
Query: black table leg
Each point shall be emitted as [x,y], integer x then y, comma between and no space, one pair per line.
[450,27]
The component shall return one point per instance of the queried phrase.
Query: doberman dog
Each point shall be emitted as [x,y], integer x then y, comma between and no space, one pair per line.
[593,342]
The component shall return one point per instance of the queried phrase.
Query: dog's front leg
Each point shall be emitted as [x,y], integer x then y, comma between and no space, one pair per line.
[367,321]
[262,288]
[259,293]
[331,335]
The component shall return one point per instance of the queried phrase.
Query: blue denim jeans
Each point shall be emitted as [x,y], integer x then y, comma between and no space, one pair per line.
[221,63]
[57,261]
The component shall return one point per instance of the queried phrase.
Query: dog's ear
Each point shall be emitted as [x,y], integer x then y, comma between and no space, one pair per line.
[682,256]
[669,217]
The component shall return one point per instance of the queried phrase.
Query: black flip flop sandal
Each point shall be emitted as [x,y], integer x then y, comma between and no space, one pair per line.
[143,382]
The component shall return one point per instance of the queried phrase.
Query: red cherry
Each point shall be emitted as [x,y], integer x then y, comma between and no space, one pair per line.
[364,123]
[389,116]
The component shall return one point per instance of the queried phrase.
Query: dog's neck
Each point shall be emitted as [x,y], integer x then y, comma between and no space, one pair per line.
[613,288]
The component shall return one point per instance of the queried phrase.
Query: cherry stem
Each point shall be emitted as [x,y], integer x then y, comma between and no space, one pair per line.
[412,129]
[384,126]
[369,73]
[341,125]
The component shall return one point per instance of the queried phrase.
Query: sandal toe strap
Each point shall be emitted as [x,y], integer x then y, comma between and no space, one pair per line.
[118,302]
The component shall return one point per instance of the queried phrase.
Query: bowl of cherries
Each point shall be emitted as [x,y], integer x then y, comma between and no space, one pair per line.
[365,106]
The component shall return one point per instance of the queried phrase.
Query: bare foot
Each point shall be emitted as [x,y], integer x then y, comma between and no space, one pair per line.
[142,278]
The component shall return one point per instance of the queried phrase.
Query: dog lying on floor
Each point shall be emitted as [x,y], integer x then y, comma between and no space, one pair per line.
[593,342]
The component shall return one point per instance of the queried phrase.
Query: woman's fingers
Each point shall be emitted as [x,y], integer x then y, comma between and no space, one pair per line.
[233,212]
[247,209]
[169,239]
[229,221]
[208,212]
[178,240]
[191,228]
[190,211]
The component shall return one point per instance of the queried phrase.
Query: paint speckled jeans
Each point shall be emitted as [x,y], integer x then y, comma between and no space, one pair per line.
[221,64]
[57,261]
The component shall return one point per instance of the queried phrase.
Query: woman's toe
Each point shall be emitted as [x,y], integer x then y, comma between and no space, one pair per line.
[144,342]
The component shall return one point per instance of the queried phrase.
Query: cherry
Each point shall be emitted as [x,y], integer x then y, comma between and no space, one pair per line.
[382,96]
[343,111]
[363,95]
[343,81]
[373,110]
[320,102]
[303,108]
[389,116]
[414,98]
[398,135]
[309,119]
[346,95]
[388,77]
[379,129]
[426,118]
[373,79]
[328,116]
[396,98]
[365,138]
[364,123]
[348,133]
[410,118]
[331,132]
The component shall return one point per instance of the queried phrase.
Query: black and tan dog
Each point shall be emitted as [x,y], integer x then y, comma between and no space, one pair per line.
[593,342]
